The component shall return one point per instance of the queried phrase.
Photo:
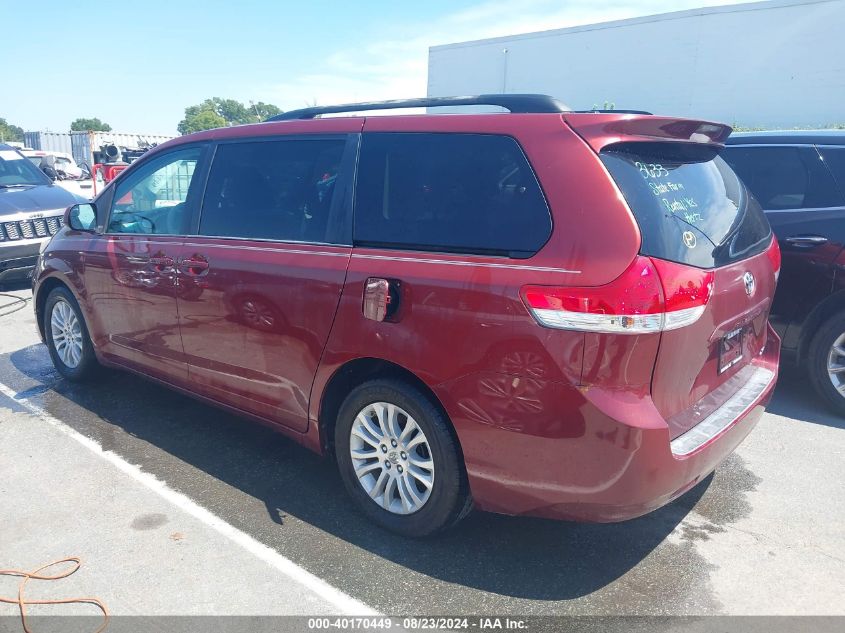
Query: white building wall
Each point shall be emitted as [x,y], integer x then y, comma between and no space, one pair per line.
[777,63]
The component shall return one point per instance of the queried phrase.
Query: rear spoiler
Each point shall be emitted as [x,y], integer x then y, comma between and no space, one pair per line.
[600,130]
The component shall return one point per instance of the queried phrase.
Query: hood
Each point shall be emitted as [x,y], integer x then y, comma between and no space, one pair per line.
[38,198]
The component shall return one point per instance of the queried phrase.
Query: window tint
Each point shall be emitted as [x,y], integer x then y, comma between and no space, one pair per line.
[277,190]
[834,158]
[153,199]
[784,177]
[468,193]
[690,206]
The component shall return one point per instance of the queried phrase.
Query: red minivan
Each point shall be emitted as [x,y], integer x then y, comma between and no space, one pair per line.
[538,311]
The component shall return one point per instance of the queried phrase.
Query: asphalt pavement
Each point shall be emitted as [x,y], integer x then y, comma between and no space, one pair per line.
[79,467]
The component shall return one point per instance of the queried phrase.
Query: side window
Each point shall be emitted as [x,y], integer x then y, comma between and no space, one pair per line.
[465,193]
[834,158]
[275,190]
[784,177]
[153,199]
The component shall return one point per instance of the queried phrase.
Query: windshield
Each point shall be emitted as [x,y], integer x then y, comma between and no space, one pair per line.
[690,206]
[17,170]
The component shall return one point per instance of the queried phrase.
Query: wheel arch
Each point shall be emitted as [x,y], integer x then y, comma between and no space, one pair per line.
[358,371]
[832,305]
[45,287]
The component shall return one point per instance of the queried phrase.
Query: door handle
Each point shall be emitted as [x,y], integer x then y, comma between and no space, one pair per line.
[806,241]
[195,265]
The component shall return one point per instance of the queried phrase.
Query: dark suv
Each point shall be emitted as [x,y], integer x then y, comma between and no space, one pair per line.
[537,312]
[31,211]
[799,179]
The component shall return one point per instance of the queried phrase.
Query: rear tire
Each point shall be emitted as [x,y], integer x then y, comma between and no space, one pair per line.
[67,336]
[410,476]
[825,357]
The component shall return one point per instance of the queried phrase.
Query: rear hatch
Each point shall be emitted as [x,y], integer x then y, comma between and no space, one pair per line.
[710,244]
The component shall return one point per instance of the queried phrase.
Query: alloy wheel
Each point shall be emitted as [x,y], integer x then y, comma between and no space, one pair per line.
[67,333]
[836,364]
[392,458]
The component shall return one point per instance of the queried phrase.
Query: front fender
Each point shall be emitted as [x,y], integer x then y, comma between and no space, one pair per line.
[50,272]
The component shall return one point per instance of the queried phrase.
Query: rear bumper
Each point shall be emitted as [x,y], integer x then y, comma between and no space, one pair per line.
[758,381]
[609,457]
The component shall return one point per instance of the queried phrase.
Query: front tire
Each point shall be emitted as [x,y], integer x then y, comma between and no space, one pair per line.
[399,460]
[67,336]
[826,363]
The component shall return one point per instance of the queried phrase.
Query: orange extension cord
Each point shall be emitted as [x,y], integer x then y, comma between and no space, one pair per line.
[36,575]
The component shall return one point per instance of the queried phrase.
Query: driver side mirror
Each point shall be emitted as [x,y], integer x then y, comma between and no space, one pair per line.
[51,173]
[81,217]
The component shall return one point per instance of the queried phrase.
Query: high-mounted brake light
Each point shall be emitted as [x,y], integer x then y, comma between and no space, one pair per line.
[774,256]
[650,296]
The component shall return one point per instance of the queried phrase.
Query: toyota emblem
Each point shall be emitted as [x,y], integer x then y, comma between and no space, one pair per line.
[750,284]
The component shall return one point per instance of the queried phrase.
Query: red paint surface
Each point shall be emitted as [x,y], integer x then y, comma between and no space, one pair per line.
[550,422]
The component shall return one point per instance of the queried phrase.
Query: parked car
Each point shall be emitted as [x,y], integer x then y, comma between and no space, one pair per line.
[31,210]
[538,312]
[799,179]
[61,162]
[63,171]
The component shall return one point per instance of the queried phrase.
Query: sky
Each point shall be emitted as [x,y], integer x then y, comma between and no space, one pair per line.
[138,64]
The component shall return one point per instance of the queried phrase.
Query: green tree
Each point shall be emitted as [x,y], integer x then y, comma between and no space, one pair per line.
[89,125]
[9,132]
[219,112]
[264,111]
[235,112]
[198,120]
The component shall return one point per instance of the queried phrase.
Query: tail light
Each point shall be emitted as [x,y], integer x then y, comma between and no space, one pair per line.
[774,256]
[652,295]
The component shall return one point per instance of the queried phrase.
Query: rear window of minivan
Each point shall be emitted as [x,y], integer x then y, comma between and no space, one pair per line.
[454,193]
[690,205]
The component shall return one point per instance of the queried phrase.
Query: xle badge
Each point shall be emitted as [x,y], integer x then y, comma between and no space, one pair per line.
[689,239]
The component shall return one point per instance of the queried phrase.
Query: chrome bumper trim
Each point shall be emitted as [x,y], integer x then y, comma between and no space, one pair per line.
[733,408]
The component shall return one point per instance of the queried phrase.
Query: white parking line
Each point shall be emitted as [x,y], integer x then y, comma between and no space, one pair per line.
[346,604]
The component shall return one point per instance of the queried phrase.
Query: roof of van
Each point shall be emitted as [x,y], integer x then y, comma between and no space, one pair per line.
[788,137]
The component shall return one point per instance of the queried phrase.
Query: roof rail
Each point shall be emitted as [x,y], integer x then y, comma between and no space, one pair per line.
[611,111]
[517,103]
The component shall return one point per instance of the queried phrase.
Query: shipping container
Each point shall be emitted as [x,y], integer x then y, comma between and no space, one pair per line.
[86,145]
[768,64]
[48,141]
